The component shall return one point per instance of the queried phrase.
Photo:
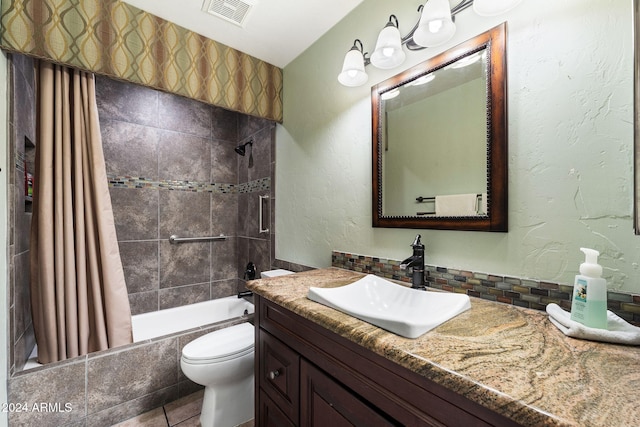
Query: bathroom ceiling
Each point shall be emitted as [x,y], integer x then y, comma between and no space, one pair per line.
[275,31]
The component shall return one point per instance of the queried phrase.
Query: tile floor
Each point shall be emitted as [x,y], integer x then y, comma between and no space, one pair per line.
[183,412]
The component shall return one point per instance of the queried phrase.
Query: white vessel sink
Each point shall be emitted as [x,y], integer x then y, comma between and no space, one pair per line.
[398,309]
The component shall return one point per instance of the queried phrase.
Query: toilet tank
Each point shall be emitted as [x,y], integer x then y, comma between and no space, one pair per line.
[274,273]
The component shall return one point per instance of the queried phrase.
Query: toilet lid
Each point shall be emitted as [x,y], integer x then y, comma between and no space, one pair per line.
[220,344]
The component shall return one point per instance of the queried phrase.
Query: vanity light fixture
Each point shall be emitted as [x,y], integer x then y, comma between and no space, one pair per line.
[388,53]
[435,27]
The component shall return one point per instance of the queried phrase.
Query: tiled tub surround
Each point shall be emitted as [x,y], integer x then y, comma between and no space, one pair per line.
[509,359]
[165,139]
[21,124]
[107,387]
[517,291]
[173,170]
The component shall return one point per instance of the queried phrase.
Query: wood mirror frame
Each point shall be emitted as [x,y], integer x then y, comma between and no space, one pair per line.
[494,41]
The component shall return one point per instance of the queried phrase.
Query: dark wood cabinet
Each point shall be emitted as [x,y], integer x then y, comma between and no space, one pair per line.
[270,414]
[280,374]
[324,402]
[307,375]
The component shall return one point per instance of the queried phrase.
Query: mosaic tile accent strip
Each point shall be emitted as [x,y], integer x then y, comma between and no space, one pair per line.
[528,293]
[258,185]
[191,186]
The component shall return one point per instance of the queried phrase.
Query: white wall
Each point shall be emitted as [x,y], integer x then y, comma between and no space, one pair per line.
[570,72]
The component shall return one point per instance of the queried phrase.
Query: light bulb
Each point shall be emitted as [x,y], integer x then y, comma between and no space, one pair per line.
[435,25]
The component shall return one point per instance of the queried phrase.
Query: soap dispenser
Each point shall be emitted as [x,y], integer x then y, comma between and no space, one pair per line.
[589,302]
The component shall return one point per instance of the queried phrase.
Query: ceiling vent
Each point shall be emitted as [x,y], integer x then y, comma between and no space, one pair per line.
[235,11]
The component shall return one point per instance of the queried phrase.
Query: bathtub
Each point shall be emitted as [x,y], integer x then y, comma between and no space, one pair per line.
[171,320]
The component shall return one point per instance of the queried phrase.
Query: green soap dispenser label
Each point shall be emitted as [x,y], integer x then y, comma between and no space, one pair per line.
[581,292]
[579,303]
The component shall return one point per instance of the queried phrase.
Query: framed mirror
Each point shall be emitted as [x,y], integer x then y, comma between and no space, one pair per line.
[439,140]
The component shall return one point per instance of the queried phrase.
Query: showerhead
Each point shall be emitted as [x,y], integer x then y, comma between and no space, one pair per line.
[241,149]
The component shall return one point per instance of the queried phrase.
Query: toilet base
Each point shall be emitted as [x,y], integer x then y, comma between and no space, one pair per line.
[228,405]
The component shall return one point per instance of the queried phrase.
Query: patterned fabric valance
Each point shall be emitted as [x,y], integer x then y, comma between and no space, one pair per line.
[118,40]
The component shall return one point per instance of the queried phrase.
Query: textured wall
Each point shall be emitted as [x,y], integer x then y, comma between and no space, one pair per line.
[570,146]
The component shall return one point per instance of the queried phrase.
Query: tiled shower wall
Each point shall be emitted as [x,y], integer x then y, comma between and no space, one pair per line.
[21,126]
[173,171]
[159,153]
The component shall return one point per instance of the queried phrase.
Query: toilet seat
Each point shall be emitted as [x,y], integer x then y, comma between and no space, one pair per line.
[221,345]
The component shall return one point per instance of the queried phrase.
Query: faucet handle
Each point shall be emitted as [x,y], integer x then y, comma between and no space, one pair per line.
[417,242]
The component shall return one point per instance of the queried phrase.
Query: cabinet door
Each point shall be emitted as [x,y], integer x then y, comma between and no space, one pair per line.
[324,402]
[279,374]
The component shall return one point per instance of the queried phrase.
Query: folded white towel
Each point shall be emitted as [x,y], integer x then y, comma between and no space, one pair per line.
[457,205]
[618,330]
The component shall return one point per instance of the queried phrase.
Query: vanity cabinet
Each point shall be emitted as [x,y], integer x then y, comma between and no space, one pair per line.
[307,375]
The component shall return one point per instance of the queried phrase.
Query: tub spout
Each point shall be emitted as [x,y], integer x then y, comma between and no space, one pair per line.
[245,294]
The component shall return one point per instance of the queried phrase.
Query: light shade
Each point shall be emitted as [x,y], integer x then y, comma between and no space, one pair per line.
[468,60]
[390,94]
[353,73]
[436,26]
[388,52]
[423,80]
[493,7]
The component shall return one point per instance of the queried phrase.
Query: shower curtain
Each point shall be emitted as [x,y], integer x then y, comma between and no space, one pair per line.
[79,299]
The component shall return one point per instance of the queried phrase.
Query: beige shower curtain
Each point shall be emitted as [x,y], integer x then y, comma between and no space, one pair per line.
[79,298]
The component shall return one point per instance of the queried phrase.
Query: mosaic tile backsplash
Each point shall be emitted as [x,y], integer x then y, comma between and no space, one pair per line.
[526,293]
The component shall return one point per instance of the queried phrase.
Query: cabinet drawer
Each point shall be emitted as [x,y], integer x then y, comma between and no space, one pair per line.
[279,370]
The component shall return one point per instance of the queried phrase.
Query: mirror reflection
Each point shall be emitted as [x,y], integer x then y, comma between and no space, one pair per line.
[435,142]
[440,140]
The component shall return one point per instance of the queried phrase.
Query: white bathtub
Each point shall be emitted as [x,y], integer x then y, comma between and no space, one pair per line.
[171,320]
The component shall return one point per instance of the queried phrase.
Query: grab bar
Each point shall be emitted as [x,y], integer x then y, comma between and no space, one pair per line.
[175,239]
[262,199]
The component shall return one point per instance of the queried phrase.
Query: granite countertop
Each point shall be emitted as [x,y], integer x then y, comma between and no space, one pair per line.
[509,359]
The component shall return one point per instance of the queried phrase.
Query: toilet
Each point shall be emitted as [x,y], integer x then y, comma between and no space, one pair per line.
[222,361]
